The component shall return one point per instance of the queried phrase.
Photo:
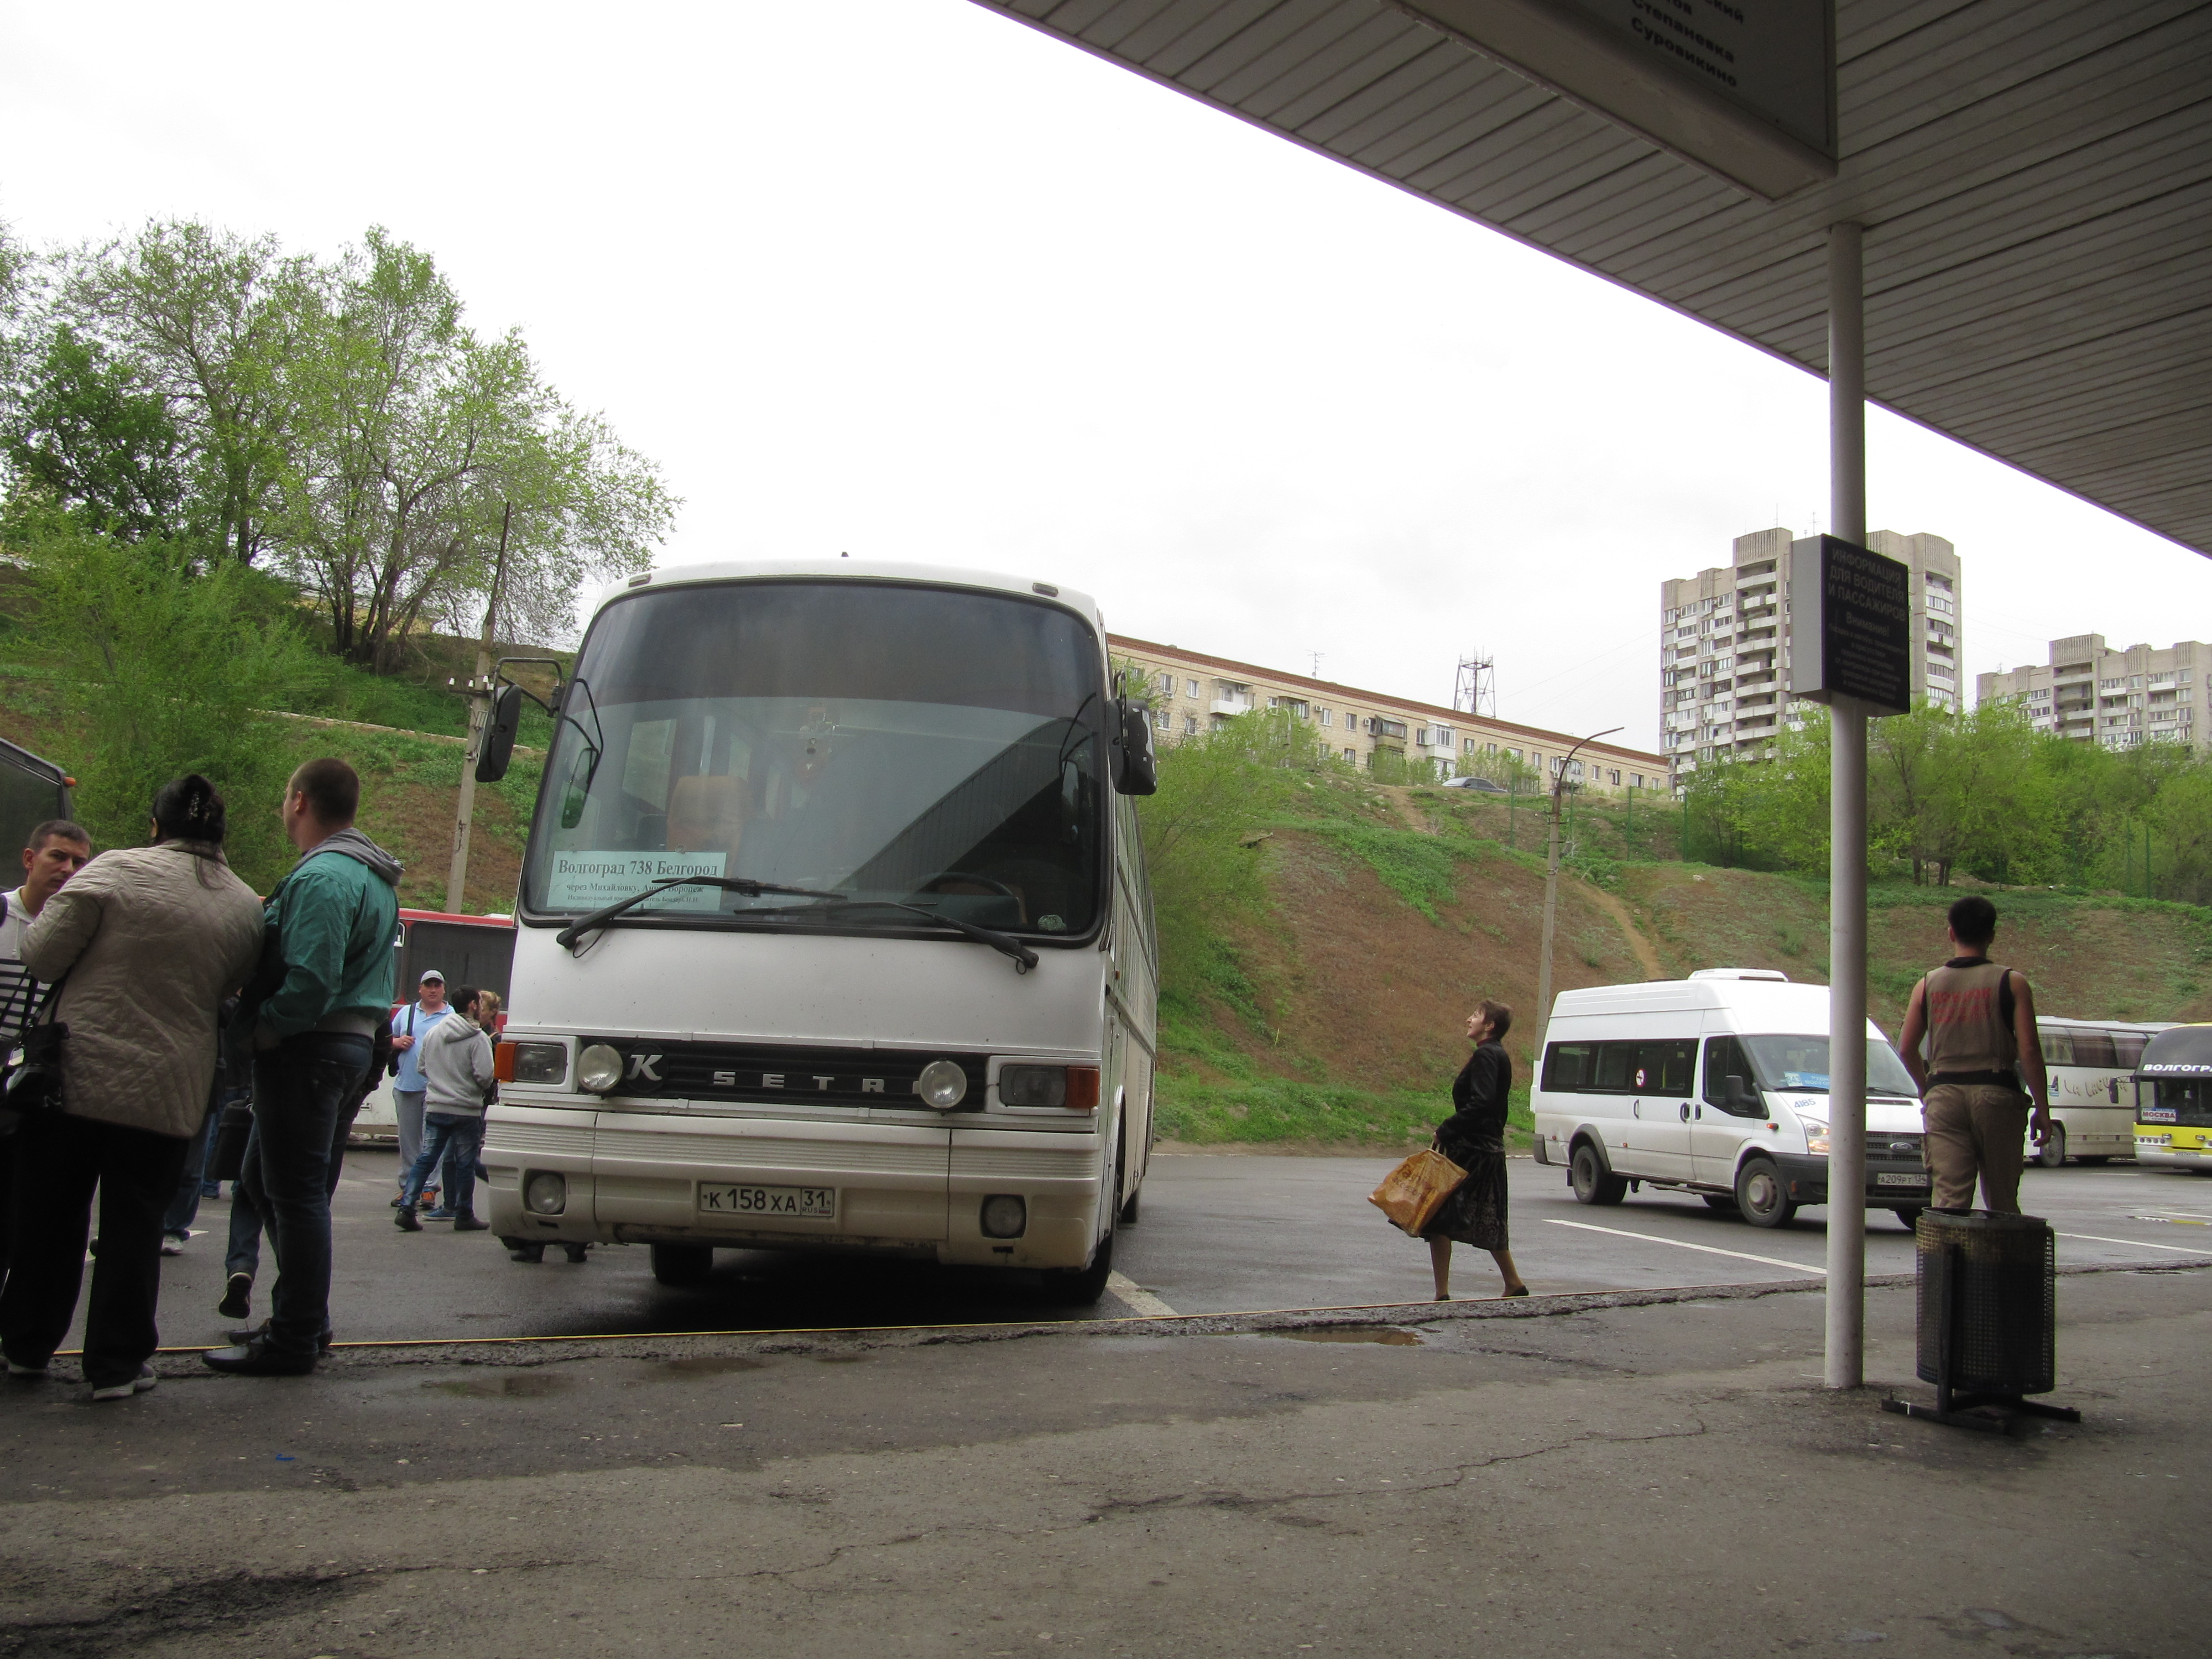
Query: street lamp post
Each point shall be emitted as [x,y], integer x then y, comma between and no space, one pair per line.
[1552,892]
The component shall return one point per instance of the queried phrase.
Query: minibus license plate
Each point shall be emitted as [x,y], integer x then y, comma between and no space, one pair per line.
[1900,1181]
[781,1203]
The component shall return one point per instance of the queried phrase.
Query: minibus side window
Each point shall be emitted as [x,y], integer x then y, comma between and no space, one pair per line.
[1654,1067]
[1567,1067]
[2095,1049]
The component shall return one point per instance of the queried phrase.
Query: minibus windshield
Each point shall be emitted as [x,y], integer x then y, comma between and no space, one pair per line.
[934,747]
[1799,1065]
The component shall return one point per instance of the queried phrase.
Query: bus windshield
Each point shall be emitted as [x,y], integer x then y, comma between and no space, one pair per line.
[1799,1065]
[934,747]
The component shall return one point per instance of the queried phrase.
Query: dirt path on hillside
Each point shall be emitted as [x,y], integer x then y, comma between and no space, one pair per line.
[1645,955]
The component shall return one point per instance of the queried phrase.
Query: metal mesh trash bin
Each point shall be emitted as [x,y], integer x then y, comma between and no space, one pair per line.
[1986,1316]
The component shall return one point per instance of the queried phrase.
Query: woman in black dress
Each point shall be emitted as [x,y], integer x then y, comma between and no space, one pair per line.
[1473,1137]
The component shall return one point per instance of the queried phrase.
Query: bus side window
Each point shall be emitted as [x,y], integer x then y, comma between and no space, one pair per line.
[2095,1049]
[2057,1048]
[2128,1046]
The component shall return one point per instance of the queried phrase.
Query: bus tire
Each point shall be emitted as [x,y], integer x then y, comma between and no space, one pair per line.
[2053,1152]
[1593,1182]
[682,1265]
[1762,1196]
[1130,1209]
[1076,1287]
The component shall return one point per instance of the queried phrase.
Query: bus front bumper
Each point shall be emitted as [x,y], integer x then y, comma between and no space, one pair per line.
[2182,1148]
[915,1191]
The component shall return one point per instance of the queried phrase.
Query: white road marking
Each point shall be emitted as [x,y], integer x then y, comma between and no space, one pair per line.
[1136,1298]
[2137,1243]
[1679,1244]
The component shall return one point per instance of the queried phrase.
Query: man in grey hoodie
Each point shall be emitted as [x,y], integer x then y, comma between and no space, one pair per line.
[322,989]
[457,1074]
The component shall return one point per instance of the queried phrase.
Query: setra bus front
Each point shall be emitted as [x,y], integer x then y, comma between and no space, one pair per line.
[833,930]
[2174,1098]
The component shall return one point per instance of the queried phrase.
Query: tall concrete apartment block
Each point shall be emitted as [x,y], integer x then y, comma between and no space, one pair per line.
[2122,699]
[1725,646]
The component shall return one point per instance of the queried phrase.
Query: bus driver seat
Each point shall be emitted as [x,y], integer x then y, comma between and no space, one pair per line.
[707,814]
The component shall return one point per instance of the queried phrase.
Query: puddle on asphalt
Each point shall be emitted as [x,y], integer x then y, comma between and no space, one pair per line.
[671,1370]
[515,1385]
[1390,1336]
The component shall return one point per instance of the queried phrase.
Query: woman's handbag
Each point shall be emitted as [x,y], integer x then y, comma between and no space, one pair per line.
[32,1068]
[1412,1193]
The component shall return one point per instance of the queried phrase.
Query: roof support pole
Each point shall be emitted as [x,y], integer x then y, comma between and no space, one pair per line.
[1847,855]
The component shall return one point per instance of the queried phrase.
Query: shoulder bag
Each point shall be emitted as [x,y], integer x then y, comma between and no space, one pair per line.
[33,1070]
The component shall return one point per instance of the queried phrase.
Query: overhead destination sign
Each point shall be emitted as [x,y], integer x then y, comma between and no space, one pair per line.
[1746,88]
[1850,625]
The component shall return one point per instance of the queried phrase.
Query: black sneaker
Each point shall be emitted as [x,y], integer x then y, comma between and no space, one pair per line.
[406,1220]
[237,1296]
[468,1224]
[260,1334]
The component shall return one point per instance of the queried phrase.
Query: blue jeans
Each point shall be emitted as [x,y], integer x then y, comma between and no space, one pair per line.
[302,1091]
[454,1140]
[185,1207]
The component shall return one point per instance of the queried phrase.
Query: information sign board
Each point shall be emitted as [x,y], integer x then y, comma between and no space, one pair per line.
[1850,625]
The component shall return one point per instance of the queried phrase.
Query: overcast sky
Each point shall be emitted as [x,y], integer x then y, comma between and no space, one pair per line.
[904,278]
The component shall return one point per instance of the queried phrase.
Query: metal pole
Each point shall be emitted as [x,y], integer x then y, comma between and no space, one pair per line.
[457,874]
[1847,866]
[1552,896]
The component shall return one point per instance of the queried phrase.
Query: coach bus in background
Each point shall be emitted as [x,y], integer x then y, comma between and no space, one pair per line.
[32,791]
[477,951]
[834,932]
[2092,1064]
[2173,1099]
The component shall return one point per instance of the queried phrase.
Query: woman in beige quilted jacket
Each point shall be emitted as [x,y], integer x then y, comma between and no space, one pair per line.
[150,939]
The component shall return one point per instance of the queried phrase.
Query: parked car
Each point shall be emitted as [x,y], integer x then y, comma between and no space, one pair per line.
[1480,786]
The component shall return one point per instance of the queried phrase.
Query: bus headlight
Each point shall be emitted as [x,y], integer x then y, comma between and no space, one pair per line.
[1004,1215]
[942,1085]
[547,1194]
[1033,1086]
[537,1062]
[598,1068]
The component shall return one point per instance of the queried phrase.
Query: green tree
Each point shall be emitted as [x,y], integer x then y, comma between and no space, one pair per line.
[166,671]
[413,437]
[83,434]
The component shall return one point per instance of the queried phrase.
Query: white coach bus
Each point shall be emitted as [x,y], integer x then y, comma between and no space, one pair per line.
[2090,1064]
[834,929]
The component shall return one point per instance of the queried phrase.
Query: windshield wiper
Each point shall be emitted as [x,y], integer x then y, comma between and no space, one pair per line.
[1005,943]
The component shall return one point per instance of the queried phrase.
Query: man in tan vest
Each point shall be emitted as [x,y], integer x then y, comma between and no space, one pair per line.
[1978,1020]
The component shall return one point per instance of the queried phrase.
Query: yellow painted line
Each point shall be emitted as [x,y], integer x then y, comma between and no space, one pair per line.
[1681,1244]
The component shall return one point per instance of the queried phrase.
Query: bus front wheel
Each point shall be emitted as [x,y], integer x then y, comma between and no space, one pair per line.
[1080,1287]
[1761,1196]
[682,1265]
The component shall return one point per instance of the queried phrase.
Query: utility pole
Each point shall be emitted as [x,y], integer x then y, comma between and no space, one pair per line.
[1552,896]
[456,877]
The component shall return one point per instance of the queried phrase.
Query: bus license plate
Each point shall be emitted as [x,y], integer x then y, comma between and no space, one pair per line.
[1900,1181]
[776,1203]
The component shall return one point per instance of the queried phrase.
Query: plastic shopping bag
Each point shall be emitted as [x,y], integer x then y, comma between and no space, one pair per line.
[1412,1193]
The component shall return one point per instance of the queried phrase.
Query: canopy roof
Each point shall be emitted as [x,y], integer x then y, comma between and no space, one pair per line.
[2035,177]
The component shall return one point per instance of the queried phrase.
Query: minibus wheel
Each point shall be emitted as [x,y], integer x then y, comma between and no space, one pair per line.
[1593,1182]
[2054,1148]
[1760,1195]
[682,1264]
[1080,1287]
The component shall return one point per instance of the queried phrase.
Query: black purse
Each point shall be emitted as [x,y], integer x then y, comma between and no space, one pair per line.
[32,1082]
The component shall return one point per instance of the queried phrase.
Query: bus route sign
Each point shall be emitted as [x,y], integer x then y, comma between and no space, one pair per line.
[1850,633]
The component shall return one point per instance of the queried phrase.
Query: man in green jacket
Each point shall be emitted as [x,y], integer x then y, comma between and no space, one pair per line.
[324,988]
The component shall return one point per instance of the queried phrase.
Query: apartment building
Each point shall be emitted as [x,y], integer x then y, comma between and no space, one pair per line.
[2122,699]
[1191,693]
[1724,645]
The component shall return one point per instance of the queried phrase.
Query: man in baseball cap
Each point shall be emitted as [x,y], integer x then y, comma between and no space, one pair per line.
[408,1027]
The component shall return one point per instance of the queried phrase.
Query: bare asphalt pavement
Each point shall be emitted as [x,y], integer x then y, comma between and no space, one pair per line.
[1655,1471]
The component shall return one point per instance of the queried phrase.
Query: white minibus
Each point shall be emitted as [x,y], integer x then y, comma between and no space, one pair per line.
[1716,1085]
[2090,1065]
[834,931]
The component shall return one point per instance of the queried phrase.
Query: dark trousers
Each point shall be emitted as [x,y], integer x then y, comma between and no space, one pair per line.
[242,1253]
[59,1160]
[301,1089]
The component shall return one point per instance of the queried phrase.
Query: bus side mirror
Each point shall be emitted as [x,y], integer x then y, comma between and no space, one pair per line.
[1738,1095]
[1136,767]
[497,747]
